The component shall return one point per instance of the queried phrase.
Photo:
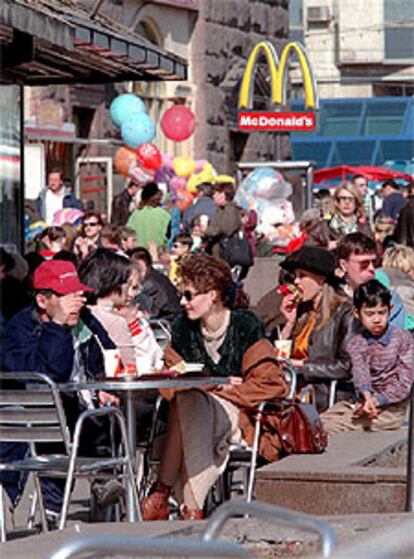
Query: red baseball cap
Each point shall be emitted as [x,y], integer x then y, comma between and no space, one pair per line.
[60,276]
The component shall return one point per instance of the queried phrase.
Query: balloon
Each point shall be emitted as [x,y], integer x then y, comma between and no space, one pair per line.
[122,160]
[178,184]
[183,166]
[178,123]
[124,106]
[200,164]
[68,215]
[149,156]
[137,130]
[140,174]
[167,161]
[266,183]
[184,200]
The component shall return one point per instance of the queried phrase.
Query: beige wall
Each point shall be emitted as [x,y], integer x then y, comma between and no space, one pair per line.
[347,50]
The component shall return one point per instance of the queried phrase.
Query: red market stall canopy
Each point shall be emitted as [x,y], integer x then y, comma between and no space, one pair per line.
[368,171]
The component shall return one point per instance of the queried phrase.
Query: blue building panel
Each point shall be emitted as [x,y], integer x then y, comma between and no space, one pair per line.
[358,132]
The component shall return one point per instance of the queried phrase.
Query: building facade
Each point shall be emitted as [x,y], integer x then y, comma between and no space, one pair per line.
[362,52]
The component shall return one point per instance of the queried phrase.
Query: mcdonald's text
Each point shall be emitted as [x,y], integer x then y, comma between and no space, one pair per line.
[277,122]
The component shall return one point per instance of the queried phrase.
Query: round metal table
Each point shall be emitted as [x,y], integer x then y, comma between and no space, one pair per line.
[128,389]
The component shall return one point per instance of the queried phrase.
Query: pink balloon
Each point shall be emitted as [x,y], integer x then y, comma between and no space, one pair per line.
[200,164]
[175,184]
[167,161]
[178,123]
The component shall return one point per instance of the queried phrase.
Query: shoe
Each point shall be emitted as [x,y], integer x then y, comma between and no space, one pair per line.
[155,506]
[108,493]
[191,514]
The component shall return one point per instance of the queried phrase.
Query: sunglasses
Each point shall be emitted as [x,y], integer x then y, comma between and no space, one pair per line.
[188,295]
[346,199]
[91,224]
[364,264]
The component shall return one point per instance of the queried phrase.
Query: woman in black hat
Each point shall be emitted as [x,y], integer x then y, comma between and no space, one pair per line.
[319,326]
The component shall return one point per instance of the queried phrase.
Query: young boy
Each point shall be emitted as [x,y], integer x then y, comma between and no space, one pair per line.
[181,247]
[382,367]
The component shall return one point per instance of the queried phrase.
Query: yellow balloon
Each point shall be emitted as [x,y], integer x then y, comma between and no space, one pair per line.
[220,179]
[183,166]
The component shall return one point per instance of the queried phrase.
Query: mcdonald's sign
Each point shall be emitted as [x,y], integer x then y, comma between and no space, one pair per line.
[277,121]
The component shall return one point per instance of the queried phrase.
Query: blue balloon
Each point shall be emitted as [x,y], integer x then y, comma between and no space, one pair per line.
[124,106]
[137,130]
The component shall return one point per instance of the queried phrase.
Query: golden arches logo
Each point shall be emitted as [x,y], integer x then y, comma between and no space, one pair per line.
[278,75]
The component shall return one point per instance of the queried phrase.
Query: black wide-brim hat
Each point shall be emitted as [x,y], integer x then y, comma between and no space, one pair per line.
[313,259]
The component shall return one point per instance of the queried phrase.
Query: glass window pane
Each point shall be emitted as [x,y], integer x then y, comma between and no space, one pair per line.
[311,151]
[356,152]
[397,149]
[399,42]
[295,12]
[398,10]
[9,164]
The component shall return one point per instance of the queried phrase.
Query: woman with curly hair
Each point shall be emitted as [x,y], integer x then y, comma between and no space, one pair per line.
[202,424]
[347,217]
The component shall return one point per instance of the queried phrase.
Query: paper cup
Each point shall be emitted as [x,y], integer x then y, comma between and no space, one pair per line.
[283,349]
[112,361]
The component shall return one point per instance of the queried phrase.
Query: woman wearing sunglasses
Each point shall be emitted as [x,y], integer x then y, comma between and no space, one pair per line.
[89,239]
[230,342]
[347,217]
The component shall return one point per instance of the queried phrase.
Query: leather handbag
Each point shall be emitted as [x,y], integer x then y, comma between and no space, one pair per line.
[235,250]
[298,426]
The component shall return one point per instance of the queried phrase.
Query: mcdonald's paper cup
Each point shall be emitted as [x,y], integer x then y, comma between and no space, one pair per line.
[112,361]
[283,349]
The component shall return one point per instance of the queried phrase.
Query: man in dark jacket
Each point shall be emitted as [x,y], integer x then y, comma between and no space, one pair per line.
[54,197]
[158,296]
[394,201]
[121,204]
[204,205]
[40,339]
[404,231]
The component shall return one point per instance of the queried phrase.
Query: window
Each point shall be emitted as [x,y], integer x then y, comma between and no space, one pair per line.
[384,119]
[398,30]
[10,165]
[340,119]
[296,21]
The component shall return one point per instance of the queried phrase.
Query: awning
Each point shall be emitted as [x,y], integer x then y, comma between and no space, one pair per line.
[370,172]
[57,41]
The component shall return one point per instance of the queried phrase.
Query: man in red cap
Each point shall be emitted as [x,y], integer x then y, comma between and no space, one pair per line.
[40,339]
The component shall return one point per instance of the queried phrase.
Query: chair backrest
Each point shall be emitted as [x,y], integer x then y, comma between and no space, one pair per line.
[31,410]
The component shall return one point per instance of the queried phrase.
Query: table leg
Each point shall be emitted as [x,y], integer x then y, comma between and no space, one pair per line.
[131,420]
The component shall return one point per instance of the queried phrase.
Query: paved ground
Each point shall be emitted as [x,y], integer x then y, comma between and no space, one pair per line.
[263,538]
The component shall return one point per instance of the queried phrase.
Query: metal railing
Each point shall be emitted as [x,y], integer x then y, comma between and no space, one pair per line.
[135,546]
[293,518]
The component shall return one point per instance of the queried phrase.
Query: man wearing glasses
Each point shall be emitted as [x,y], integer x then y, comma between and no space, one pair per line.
[54,197]
[91,232]
[357,257]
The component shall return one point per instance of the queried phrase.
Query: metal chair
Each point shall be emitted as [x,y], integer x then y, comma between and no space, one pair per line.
[162,331]
[31,412]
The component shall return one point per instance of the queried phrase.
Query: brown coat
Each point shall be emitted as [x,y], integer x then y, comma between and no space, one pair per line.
[321,234]
[262,380]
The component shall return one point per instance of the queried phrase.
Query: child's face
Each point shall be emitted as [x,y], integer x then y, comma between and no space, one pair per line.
[374,319]
[179,249]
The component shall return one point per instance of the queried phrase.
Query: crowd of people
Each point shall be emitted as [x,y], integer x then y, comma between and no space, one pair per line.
[343,303]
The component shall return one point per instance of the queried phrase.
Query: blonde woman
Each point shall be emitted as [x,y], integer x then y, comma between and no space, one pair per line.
[397,273]
[347,217]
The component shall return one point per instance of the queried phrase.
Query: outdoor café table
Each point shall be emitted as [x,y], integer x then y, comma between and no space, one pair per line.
[128,389]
